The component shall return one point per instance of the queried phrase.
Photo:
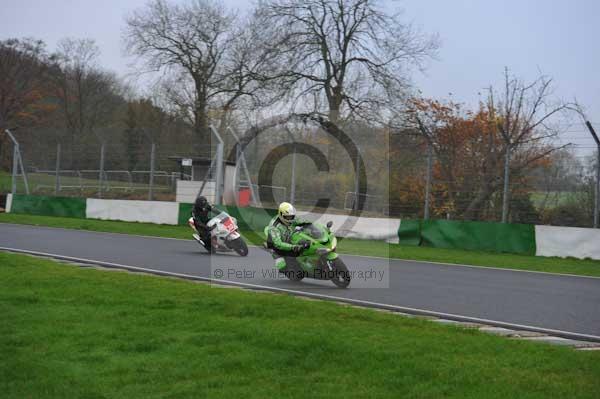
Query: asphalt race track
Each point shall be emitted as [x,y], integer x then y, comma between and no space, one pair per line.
[545,301]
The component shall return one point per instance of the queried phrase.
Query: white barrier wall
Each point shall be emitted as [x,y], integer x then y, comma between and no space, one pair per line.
[132,211]
[358,227]
[567,241]
[8,203]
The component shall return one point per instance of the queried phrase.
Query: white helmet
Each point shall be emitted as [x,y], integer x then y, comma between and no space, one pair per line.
[286,213]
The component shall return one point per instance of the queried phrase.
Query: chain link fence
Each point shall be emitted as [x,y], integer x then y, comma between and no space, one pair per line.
[557,189]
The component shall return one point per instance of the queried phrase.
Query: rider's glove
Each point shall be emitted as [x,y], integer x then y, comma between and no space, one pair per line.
[296,249]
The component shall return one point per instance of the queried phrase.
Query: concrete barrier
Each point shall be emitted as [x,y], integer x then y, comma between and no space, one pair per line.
[358,227]
[567,241]
[133,211]
[8,206]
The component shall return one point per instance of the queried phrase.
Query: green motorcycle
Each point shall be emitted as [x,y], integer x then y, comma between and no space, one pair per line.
[318,259]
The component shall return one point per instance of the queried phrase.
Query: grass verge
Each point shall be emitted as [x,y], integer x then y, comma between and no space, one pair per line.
[348,246]
[73,332]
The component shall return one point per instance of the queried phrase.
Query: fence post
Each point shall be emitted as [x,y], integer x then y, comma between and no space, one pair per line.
[219,164]
[238,161]
[293,177]
[57,175]
[151,182]
[597,190]
[17,161]
[597,200]
[293,182]
[357,183]
[15,165]
[219,175]
[428,180]
[23,172]
[506,191]
[241,160]
[101,176]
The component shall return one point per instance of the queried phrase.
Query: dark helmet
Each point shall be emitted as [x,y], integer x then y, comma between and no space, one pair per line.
[202,203]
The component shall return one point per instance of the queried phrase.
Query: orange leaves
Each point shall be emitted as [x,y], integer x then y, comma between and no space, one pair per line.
[469,148]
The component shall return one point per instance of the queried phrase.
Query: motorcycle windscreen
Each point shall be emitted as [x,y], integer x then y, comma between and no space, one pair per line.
[315,232]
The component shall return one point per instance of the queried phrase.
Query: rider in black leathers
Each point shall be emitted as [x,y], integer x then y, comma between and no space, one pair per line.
[202,213]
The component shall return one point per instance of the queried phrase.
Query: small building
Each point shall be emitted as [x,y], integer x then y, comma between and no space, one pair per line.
[193,171]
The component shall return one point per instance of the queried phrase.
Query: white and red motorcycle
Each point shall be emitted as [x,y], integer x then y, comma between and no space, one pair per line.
[224,233]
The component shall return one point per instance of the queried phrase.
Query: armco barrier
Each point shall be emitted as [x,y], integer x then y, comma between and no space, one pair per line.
[478,236]
[48,206]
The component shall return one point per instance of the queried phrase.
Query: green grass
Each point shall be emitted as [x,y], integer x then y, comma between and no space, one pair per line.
[68,332]
[348,246]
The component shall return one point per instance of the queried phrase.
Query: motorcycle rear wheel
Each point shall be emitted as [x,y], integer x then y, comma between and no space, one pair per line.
[239,246]
[293,271]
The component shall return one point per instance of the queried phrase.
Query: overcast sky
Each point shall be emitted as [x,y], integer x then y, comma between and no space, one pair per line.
[479,38]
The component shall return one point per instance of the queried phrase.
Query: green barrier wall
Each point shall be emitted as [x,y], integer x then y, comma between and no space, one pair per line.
[185,211]
[409,232]
[480,236]
[254,219]
[48,206]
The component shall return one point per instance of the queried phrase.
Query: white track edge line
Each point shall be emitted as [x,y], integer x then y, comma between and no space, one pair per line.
[368,304]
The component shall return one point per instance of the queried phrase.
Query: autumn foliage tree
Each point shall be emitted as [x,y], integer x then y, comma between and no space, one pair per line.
[23,86]
[469,151]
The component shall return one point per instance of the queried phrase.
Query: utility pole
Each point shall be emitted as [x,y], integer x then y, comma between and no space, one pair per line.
[597,196]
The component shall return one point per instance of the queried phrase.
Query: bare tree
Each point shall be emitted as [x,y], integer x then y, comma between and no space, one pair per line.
[202,50]
[523,119]
[342,57]
[88,96]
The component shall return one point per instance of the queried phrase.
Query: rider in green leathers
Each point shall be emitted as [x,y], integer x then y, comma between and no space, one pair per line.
[279,232]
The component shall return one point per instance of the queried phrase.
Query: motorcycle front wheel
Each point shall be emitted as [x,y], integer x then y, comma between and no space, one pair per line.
[341,275]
